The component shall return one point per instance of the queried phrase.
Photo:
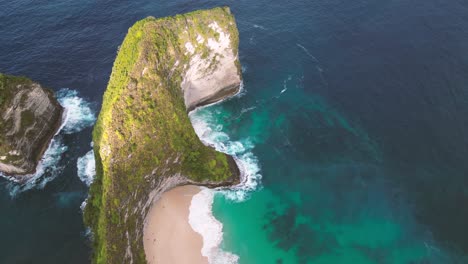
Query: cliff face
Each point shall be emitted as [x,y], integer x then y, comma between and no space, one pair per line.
[212,69]
[144,142]
[29,118]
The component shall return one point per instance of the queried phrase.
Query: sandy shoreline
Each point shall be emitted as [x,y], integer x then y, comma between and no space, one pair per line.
[168,236]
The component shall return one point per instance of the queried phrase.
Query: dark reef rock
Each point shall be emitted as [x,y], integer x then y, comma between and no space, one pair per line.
[29,118]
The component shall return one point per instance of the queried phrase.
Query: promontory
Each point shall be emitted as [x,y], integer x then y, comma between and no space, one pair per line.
[29,118]
[144,143]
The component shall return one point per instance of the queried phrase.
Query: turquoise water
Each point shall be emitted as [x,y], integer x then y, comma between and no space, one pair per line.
[352,126]
[326,195]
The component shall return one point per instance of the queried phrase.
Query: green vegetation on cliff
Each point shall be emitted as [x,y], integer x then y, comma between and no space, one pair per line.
[8,85]
[143,133]
[8,89]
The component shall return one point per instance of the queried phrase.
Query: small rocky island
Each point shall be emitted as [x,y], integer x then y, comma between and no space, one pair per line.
[144,142]
[29,118]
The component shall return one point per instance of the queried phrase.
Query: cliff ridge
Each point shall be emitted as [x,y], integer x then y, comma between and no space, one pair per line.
[144,143]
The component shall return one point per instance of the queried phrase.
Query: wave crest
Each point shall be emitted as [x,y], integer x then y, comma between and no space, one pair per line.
[86,168]
[48,166]
[78,112]
[203,222]
[211,134]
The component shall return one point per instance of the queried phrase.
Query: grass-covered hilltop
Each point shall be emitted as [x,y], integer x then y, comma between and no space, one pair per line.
[144,142]
[29,118]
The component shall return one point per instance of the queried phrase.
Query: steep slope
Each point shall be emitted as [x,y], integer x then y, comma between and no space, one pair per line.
[29,118]
[144,142]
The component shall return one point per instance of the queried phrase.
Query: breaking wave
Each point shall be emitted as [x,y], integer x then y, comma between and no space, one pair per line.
[201,218]
[211,134]
[48,166]
[203,222]
[78,112]
[86,168]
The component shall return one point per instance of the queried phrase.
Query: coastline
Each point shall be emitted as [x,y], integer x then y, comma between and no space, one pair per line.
[60,122]
[169,216]
[168,237]
[26,176]
[76,116]
[187,161]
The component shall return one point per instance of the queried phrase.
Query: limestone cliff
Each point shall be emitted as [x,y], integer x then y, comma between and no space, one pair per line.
[144,142]
[29,118]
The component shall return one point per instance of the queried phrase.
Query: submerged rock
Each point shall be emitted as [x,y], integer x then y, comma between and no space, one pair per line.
[144,143]
[29,118]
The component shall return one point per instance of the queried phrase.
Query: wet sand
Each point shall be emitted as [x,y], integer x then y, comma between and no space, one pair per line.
[168,236]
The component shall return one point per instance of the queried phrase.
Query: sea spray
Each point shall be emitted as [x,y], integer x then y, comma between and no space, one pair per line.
[78,112]
[86,168]
[211,134]
[285,84]
[203,222]
[77,116]
[48,165]
[201,218]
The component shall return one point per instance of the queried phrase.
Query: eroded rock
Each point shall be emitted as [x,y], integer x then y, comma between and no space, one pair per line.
[29,118]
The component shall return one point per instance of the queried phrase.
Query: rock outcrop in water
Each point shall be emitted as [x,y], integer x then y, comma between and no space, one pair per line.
[29,118]
[144,142]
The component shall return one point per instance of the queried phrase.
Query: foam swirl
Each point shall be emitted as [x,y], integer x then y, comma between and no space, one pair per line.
[203,222]
[86,168]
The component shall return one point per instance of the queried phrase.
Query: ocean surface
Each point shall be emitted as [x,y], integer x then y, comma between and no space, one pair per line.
[352,128]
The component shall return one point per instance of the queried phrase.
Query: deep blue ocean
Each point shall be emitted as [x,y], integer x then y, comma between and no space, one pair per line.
[355,112]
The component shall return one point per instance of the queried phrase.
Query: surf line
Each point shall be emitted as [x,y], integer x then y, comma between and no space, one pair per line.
[308,53]
[319,68]
[201,217]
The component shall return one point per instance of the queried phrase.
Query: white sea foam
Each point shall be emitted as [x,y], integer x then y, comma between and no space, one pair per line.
[77,116]
[200,217]
[244,68]
[246,110]
[78,112]
[259,26]
[211,134]
[285,84]
[86,168]
[203,222]
[308,52]
[83,204]
[241,91]
[48,167]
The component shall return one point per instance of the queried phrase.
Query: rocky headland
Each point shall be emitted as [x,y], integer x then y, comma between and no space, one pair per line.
[29,118]
[144,142]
